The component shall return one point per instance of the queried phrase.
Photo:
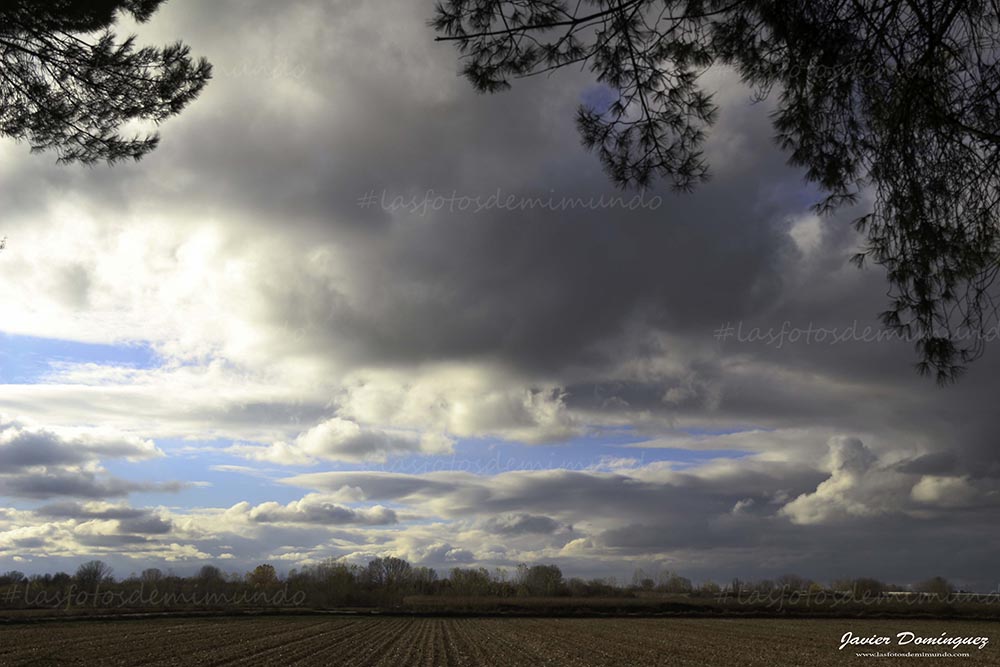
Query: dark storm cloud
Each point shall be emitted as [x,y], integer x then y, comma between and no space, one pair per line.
[26,446]
[30,542]
[129,519]
[446,554]
[937,463]
[771,548]
[79,484]
[112,541]
[537,290]
[741,519]
[373,485]
[535,498]
[540,291]
[42,463]
[544,292]
[35,449]
[521,524]
[145,525]
[71,510]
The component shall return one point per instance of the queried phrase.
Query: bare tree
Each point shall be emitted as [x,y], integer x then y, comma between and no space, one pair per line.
[390,573]
[92,573]
[151,575]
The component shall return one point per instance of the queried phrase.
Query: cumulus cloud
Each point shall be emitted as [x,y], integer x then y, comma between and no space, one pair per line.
[317,509]
[23,445]
[944,491]
[39,462]
[857,487]
[339,439]
[705,517]
[129,520]
[861,486]
[463,400]
[97,528]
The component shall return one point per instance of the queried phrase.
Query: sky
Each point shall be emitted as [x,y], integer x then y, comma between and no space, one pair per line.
[324,319]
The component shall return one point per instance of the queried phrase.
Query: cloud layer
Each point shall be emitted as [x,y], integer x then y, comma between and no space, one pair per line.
[312,346]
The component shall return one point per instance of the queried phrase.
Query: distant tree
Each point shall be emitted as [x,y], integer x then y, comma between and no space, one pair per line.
[763,586]
[861,587]
[390,573]
[211,578]
[68,84]
[540,580]
[470,581]
[423,580]
[674,583]
[340,578]
[151,575]
[709,588]
[263,576]
[331,582]
[60,579]
[938,586]
[790,583]
[896,97]
[13,577]
[92,573]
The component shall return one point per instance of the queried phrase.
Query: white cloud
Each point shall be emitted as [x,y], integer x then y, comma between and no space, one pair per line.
[807,232]
[46,462]
[339,439]
[318,509]
[862,486]
[945,491]
[26,445]
[463,400]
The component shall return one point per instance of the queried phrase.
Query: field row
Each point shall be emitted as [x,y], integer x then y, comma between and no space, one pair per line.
[397,641]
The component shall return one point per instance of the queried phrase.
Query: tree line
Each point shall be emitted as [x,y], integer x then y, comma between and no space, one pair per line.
[387,581]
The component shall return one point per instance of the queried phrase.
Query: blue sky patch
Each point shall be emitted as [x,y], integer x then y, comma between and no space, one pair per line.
[28,359]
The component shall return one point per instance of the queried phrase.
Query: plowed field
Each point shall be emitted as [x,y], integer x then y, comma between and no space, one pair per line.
[401,641]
